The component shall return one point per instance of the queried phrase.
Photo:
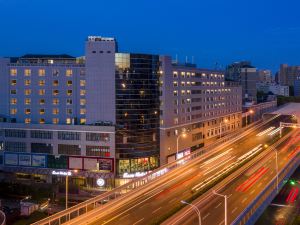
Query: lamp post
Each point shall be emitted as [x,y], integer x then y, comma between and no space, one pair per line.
[67,185]
[222,122]
[225,197]
[195,209]
[183,134]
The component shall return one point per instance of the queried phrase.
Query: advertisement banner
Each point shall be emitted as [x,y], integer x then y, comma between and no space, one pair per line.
[105,164]
[90,164]
[38,161]
[75,163]
[24,160]
[11,159]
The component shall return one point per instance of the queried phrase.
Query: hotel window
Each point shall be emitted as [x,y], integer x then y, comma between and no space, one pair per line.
[27,120]
[175,74]
[69,82]
[175,83]
[27,91]
[13,82]
[13,111]
[42,83]
[182,74]
[55,92]
[82,121]
[27,101]
[82,92]
[69,72]
[82,72]
[55,73]
[175,93]
[42,92]
[69,101]
[82,111]
[42,121]
[69,111]
[42,101]
[13,92]
[188,74]
[55,120]
[55,83]
[182,83]
[42,72]
[82,101]
[82,83]
[27,111]
[27,72]
[69,92]
[55,111]
[182,92]
[27,82]
[68,121]
[13,72]
[13,101]
[42,111]
[55,101]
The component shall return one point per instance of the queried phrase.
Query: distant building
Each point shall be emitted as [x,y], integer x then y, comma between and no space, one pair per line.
[288,74]
[276,89]
[265,76]
[247,76]
[297,88]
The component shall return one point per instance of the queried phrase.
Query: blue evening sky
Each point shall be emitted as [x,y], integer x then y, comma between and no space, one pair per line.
[267,32]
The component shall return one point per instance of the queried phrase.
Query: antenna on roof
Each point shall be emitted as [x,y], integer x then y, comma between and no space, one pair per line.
[186,59]
[176,58]
[192,59]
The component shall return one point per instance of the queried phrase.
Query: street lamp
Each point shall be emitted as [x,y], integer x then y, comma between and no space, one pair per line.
[225,197]
[183,134]
[222,122]
[195,209]
[67,186]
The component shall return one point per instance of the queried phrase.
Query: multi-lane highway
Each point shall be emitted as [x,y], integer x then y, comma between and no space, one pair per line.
[162,196]
[243,189]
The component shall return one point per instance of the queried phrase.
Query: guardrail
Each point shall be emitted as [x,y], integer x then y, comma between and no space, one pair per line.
[101,200]
[253,211]
[2,218]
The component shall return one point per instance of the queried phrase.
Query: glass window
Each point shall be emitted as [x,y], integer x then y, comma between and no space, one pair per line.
[13,101]
[69,92]
[42,92]
[55,101]
[42,121]
[13,72]
[13,82]
[55,92]
[55,83]
[13,111]
[27,101]
[42,83]
[27,82]
[82,101]
[27,111]
[55,72]
[27,120]
[55,120]
[82,83]
[68,135]
[42,111]
[27,72]
[42,101]
[69,82]
[69,101]
[82,92]
[69,111]
[82,111]
[82,121]
[42,72]
[27,91]
[13,92]
[69,72]
[55,111]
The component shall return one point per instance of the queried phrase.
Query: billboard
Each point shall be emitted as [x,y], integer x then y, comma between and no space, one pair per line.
[91,163]
[75,163]
[106,164]
[25,159]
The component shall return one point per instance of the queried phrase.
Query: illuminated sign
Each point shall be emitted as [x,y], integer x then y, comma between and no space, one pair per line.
[133,175]
[61,173]
[100,182]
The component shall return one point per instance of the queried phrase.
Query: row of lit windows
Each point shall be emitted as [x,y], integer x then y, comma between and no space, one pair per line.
[55,101]
[188,83]
[189,74]
[55,111]
[41,72]
[55,120]
[42,83]
[43,92]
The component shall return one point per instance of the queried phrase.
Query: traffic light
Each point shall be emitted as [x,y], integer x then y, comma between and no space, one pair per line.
[292,182]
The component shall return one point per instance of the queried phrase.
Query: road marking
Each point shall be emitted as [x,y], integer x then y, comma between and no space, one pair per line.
[218,205]
[124,216]
[216,167]
[221,222]
[156,210]
[138,221]
[252,191]
[265,178]
[259,184]
[272,172]
[204,217]
[143,205]
[233,210]
[174,199]
[229,196]
[244,200]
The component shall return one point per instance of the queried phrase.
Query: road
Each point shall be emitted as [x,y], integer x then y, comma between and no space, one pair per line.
[243,189]
[286,206]
[166,193]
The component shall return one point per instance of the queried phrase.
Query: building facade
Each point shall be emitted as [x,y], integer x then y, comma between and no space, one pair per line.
[276,89]
[198,103]
[288,74]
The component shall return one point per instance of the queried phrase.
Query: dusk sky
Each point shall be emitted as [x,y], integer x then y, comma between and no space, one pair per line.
[267,32]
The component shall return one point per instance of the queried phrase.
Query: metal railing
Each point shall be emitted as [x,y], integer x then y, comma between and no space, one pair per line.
[120,192]
[257,206]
